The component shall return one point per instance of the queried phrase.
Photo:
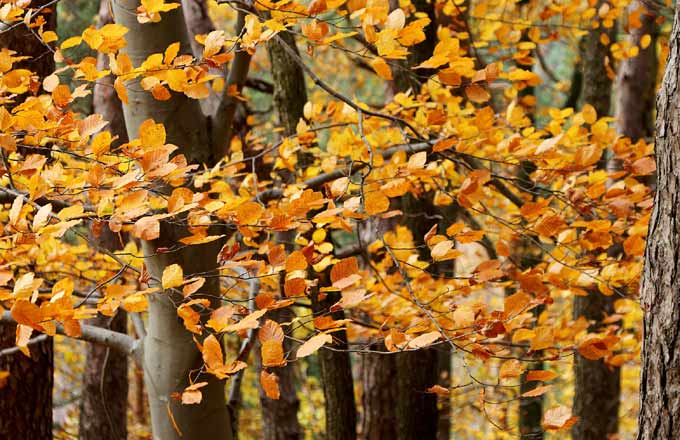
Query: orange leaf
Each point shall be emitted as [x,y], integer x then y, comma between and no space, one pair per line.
[541,375]
[270,384]
[558,418]
[313,344]
[538,391]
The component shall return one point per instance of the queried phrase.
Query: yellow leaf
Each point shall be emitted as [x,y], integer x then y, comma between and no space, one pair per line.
[173,276]
[313,344]
[558,418]
[270,385]
[382,68]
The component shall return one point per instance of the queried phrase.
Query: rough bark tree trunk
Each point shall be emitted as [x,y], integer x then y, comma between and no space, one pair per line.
[279,417]
[26,399]
[169,350]
[596,385]
[103,407]
[416,410]
[659,417]
[637,80]
[378,419]
[336,374]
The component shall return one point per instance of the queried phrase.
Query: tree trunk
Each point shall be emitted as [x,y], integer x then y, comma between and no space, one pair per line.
[596,385]
[170,353]
[637,80]
[660,290]
[279,417]
[26,399]
[416,410]
[336,374]
[379,397]
[103,408]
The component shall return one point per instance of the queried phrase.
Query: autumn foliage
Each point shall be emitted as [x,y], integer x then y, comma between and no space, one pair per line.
[450,203]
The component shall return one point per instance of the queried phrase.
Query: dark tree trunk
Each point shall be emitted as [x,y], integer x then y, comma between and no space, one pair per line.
[596,385]
[336,374]
[659,417]
[417,415]
[26,399]
[103,410]
[379,397]
[637,81]
[280,417]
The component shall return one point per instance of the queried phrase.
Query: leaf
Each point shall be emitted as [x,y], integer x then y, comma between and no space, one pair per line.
[313,344]
[510,369]
[376,202]
[423,340]
[558,418]
[439,390]
[173,276]
[542,375]
[272,353]
[382,68]
[296,261]
[192,394]
[543,339]
[477,94]
[538,391]
[270,384]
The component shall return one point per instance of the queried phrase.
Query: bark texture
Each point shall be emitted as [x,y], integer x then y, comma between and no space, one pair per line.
[660,291]
[26,399]
[637,80]
[170,353]
[103,408]
[378,397]
[280,417]
[416,410]
[596,385]
[336,374]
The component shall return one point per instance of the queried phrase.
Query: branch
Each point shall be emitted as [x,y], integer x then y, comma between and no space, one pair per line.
[10,194]
[97,335]
[14,350]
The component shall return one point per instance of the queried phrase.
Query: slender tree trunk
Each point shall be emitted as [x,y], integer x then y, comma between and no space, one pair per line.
[26,399]
[103,407]
[637,80]
[336,374]
[596,385]
[279,417]
[379,397]
[170,353]
[659,417]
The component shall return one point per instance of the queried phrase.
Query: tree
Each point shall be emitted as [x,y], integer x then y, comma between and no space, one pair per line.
[658,291]
[449,217]
[26,399]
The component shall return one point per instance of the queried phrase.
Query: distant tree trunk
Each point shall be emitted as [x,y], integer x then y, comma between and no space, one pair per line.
[416,410]
[279,417]
[596,385]
[659,418]
[637,80]
[336,373]
[103,407]
[379,397]
[26,399]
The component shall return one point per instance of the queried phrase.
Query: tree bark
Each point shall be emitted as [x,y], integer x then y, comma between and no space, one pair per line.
[336,374]
[170,353]
[26,399]
[659,416]
[416,410]
[280,417]
[103,408]
[379,396]
[596,385]
[637,80]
